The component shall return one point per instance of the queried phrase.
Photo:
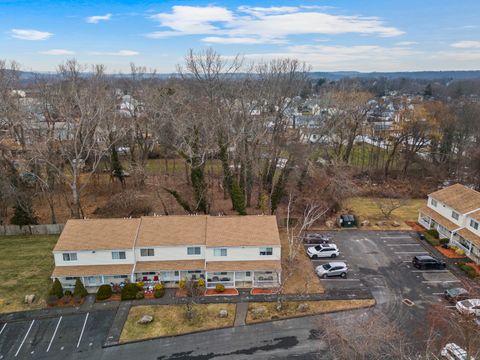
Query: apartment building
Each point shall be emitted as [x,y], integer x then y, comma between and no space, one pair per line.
[236,251]
[455,213]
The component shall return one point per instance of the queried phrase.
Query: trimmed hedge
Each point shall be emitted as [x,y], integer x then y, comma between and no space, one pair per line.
[129,291]
[444,241]
[104,292]
[433,233]
[219,288]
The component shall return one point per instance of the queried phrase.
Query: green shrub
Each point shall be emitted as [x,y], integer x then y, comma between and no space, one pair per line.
[56,289]
[219,288]
[472,274]
[79,289]
[140,285]
[104,292]
[201,282]
[139,295]
[467,268]
[432,241]
[158,286]
[433,233]
[182,283]
[461,263]
[444,241]
[68,293]
[159,293]
[129,291]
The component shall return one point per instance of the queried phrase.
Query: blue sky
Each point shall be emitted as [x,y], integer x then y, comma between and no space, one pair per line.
[362,35]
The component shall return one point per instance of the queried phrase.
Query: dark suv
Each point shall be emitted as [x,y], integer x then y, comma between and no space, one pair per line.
[427,262]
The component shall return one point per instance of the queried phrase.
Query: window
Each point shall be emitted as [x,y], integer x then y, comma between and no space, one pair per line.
[248,274]
[193,250]
[455,215]
[266,251]
[70,278]
[434,202]
[147,252]
[120,276]
[118,255]
[474,224]
[219,252]
[69,256]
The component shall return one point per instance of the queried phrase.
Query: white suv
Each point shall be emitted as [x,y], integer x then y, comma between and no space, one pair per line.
[323,251]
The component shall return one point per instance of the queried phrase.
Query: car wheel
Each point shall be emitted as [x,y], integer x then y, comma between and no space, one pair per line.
[333,256]
[343,275]
[324,276]
[315,257]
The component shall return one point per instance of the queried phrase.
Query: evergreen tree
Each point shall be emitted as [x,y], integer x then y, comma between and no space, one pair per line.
[23,214]
[56,289]
[238,200]
[79,289]
[117,169]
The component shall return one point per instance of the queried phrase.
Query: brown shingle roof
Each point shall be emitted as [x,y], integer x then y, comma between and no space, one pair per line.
[470,236]
[475,215]
[172,230]
[242,231]
[98,234]
[170,265]
[92,270]
[459,197]
[439,218]
[267,265]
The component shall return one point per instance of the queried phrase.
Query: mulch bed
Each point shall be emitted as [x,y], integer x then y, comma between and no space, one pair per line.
[415,226]
[449,253]
[227,292]
[257,291]
[61,303]
[475,266]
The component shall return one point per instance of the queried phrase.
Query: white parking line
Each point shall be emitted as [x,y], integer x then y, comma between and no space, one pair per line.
[430,271]
[437,293]
[396,237]
[409,244]
[330,279]
[83,329]
[441,281]
[25,338]
[3,328]
[54,333]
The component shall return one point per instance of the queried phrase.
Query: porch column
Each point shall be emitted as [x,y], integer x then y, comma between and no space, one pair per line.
[279,274]
[253,279]
[234,280]
[103,279]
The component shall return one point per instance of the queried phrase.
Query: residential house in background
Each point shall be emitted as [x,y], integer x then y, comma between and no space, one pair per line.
[455,212]
[235,251]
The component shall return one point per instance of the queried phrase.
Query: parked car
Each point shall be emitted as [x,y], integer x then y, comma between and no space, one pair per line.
[456,294]
[332,269]
[452,351]
[427,262]
[469,307]
[317,238]
[323,251]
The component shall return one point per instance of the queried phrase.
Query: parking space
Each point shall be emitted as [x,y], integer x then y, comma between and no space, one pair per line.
[382,261]
[57,337]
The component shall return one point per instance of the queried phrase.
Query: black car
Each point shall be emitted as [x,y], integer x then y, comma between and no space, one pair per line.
[428,262]
[316,238]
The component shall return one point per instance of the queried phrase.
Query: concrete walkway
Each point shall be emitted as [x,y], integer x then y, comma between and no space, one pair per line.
[117,326]
[241,314]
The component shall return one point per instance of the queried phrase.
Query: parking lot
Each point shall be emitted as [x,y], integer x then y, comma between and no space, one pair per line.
[54,337]
[381,261]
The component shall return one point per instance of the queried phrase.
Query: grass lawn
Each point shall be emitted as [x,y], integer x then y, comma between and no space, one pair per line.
[303,278]
[289,309]
[366,209]
[26,263]
[170,320]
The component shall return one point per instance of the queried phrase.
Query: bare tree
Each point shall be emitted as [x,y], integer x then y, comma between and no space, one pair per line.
[388,205]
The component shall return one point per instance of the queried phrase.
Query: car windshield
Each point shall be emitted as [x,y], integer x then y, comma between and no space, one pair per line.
[327,266]
[318,248]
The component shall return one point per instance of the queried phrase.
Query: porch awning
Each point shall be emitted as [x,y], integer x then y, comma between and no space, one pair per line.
[439,218]
[92,270]
[145,266]
[260,265]
[470,236]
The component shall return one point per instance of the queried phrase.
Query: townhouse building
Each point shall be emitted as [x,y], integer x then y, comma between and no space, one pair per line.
[455,213]
[236,251]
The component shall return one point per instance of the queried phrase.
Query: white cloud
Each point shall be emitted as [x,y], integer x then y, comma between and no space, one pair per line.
[258,25]
[57,52]
[97,18]
[406,43]
[29,34]
[467,44]
[117,53]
